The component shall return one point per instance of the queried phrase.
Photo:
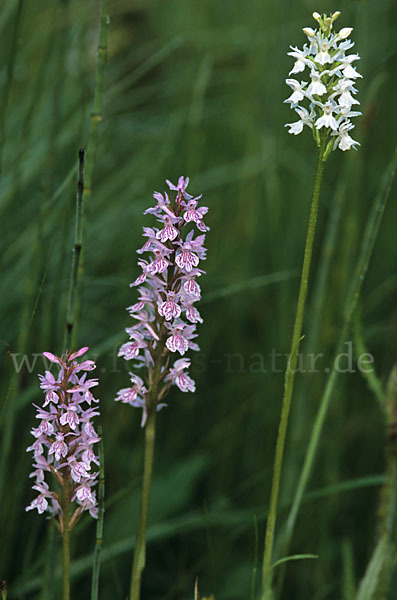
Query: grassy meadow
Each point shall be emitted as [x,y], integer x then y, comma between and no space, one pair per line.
[197,89]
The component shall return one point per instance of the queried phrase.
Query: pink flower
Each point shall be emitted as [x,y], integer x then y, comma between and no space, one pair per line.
[58,448]
[185,383]
[84,494]
[196,214]
[193,315]
[159,265]
[70,417]
[65,436]
[41,502]
[135,394]
[137,307]
[169,232]
[78,470]
[164,316]
[180,378]
[51,397]
[170,309]
[180,187]
[176,342]
[45,428]
[186,259]
[48,381]
[52,358]
[130,350]
[192,288]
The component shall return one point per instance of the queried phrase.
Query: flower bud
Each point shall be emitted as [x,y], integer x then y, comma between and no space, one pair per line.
[344,33]
[309,32]
[316,16]
[335,15]
[316,134]
[328,150]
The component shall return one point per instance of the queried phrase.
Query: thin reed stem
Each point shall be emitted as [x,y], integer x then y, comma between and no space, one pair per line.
[92,144]
[77,249]
[15,42]
[289,381]
[96,114]
[66,540]
[367,245]
[99,525]
[388,503]
[138,563]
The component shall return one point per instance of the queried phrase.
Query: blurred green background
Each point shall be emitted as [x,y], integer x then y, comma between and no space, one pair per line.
[194,89]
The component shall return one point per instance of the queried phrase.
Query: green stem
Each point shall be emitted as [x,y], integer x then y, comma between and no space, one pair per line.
[138,563]
[66,540]
[99,526]
[388,504]
[15,43]
[77,249]
[96,118]
[289,382]
[367,245]
[96,114]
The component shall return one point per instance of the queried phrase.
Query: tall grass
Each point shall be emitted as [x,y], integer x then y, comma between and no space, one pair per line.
[195,88]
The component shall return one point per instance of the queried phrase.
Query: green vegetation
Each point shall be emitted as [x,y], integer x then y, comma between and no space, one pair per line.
[197,89]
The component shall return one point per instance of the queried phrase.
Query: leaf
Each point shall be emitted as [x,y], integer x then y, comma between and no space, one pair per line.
[371,579]
[293,557]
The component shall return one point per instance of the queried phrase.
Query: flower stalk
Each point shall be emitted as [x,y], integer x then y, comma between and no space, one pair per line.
[367,245]
[138,563]
[289,382]
[329,101]
[63,449]
[165,325]
[65,530]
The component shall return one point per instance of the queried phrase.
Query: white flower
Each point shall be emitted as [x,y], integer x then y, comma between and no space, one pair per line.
[322,57]
[305,119]
[316,87]
[295,127]
[301,59]
[325,103]
[345,46]
[346,100]
[343,89]
[345,85]
[346,113]
[298,94]
[343,140]
[327,119]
